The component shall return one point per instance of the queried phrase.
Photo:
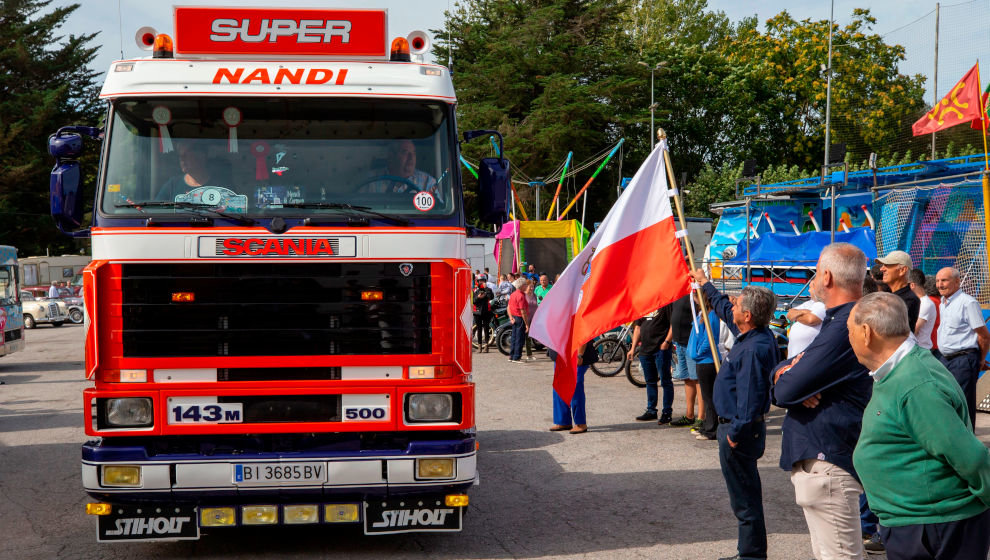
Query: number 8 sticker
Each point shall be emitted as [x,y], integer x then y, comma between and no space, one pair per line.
[423,201]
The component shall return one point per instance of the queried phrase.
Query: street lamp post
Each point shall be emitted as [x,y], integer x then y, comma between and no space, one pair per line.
[653,104]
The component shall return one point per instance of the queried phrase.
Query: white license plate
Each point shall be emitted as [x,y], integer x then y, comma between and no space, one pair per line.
[193,411]
[246,474]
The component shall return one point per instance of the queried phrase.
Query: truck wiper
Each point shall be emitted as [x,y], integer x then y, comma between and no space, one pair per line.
[344,206]
[243,220]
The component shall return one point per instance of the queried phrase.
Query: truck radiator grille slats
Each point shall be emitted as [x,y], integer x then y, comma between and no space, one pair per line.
[277,309]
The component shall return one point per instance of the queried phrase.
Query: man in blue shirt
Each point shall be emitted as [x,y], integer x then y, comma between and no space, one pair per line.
[825,390]
[742,399]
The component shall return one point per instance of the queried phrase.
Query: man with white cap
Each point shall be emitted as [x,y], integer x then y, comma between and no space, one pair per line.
[895,267]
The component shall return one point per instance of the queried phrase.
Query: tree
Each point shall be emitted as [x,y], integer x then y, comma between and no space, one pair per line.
[872,103]
[45,83]
[545,73]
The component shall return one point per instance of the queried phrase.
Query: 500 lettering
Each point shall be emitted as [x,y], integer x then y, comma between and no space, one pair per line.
[365,413]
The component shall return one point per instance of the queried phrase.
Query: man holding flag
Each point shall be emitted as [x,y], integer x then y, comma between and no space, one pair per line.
[600,289]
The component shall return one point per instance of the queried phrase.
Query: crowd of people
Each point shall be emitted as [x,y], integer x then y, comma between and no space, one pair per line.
[879,387]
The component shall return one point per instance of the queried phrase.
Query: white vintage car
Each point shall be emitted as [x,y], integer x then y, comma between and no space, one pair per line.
[38,311]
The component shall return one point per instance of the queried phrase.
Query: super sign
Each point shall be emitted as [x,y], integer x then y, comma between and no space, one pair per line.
[280,32]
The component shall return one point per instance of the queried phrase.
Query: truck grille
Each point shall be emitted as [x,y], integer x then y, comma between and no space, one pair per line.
[274,309]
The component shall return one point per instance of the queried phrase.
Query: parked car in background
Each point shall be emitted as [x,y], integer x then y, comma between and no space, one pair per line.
[74,307]
[40,311]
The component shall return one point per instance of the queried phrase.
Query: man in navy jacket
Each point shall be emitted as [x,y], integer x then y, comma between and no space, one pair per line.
[825,390]
[742,399]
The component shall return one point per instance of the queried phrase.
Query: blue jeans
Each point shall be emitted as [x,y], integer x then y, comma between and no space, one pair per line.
[562,412]
[742,480]
[657,367]
[518,339]
[867,519]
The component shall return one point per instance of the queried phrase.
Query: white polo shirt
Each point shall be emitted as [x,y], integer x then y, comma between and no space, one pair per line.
[960,314]
[801,336]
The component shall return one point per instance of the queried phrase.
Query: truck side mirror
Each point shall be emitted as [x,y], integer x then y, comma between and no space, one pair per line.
[493,182]
[494,187]
[65,185]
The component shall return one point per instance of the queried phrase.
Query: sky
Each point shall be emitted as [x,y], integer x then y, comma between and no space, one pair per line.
[118,20]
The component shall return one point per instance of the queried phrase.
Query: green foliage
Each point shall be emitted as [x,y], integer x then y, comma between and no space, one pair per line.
[559,75]
[45,83]
[545,74]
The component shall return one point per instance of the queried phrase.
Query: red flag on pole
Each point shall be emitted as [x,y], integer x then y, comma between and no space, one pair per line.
[632,266]
[960,106]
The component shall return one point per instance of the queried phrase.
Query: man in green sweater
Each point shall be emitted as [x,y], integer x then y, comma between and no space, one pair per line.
[926,475]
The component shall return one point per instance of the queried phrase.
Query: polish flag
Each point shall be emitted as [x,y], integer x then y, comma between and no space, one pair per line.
[632,266]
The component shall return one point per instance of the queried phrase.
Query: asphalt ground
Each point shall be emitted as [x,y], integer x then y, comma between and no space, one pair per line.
[625,489]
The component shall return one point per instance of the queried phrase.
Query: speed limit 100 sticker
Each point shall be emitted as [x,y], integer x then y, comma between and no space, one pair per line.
[423,201]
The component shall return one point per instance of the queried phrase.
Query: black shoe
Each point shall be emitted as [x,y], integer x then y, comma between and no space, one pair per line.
[646,416]
[872,543]
[664,419]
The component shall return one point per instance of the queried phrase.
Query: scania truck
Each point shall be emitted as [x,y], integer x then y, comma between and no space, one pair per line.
[278,306]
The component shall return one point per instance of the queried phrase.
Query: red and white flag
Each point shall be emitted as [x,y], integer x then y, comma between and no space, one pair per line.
[632,266]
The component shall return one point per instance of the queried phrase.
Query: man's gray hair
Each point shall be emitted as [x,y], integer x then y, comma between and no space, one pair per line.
[846,262]
[885,313]
[954,272]
[760,302]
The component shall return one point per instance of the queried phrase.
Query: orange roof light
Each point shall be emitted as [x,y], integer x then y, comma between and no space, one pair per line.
[400,50]
[183,297]
[163,46]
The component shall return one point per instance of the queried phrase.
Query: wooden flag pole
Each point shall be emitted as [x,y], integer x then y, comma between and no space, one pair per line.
[661,136]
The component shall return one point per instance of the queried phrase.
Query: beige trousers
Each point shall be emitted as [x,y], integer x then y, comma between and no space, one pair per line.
[830,498]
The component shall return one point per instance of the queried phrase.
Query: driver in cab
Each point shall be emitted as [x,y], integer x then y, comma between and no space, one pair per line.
[196,172]
[401,175]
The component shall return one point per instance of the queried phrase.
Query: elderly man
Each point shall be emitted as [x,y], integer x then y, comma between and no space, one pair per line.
[895,268]
[825,390]
[926,474]
[963,339]
[742,398]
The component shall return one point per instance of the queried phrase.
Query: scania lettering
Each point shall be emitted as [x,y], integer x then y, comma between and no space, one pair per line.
[278,305]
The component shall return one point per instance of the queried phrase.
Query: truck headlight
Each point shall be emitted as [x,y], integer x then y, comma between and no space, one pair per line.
[429,407]
[129,412]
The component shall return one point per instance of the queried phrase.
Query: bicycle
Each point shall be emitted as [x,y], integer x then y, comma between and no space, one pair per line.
[613,352]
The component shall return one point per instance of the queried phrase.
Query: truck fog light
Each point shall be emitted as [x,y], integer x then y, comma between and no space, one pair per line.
[429,407]
[294,515]
[129,412]
[217,517]
[341,513]
[259,515]
[456,500]
[121,475]
[434,468]
[98,509]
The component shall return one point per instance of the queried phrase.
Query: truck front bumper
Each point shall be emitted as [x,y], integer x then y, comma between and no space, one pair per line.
[170,496]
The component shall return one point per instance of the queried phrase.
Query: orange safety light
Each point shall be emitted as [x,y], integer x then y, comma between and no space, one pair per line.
[183,297]
[400,50]
[163,46]
[372,295]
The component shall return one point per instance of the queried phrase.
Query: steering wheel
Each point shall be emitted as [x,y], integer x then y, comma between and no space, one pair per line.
[394,178]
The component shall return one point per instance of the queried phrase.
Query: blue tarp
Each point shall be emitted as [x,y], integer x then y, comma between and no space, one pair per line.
[789,249]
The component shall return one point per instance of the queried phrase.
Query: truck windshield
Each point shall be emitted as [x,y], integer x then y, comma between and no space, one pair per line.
[280,157]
